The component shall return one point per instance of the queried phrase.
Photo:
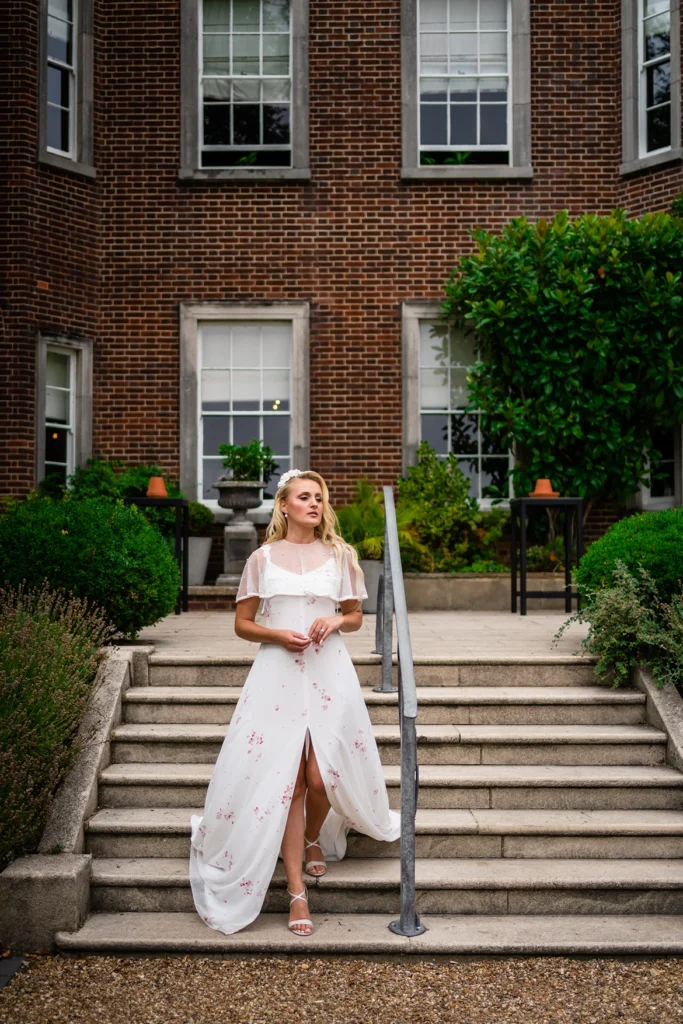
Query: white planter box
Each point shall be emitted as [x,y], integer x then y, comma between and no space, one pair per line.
[200,549]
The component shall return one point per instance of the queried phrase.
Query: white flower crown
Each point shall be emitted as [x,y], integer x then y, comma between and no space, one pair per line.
[286,477]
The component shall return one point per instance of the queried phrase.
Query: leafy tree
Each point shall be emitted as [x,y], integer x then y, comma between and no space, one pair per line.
[579,331]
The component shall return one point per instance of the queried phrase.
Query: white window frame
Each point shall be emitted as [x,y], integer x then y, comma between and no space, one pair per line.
[80,441]
[643,498]
[413,314]
[191,316]
[643,66]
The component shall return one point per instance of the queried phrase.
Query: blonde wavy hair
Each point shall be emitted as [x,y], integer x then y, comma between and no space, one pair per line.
[327,529]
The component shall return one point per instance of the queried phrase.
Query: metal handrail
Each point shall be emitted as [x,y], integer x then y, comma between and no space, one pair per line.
[391,599]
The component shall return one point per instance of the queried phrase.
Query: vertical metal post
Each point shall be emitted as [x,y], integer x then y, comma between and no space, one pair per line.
[579,541]
[186,552]
[522,557]
[568,558]
[513,559]
[387,618]
[178,556]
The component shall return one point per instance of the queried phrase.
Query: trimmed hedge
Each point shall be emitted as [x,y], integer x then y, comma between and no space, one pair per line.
[95,548]
[653,540]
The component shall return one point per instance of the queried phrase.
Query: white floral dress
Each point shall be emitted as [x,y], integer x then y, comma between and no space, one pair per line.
[288,700]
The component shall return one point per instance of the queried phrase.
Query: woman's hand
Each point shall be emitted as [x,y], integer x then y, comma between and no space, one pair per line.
[321,628]
[292,641]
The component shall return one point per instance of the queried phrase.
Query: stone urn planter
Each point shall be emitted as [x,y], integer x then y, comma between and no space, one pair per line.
[240,537]
[372,570]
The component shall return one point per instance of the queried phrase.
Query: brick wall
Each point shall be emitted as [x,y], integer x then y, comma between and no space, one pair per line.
[119,254]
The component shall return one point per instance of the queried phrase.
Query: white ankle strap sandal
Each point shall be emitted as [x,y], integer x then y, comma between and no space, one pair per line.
[313,863]
[293,925]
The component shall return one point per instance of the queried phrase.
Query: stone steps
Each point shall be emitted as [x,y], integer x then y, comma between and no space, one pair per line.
[446,705]
[596,787]
[445,886]
[437,744]
[486,833]
[460,934]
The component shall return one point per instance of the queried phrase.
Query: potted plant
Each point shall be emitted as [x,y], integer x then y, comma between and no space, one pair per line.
[362,524]
[201,521]
[252,466]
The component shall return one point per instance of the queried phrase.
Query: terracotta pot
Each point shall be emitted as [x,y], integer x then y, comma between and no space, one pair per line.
[543,489]
[157,487]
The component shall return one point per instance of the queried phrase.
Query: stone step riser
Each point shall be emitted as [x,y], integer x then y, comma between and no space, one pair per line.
[198,752]
[177,899]
[613,846]
[443,797]
[485,674]
[440,714]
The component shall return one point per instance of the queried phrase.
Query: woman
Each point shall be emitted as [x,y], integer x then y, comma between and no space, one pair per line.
[299,765]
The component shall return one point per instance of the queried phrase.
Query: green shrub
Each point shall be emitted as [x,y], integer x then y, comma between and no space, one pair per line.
[448,520]
[201,519]
[361,523]
[97,548]
[50,648]
[113,479]
[653,540]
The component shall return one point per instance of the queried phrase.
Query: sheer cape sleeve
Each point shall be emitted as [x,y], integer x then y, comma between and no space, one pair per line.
[252,581]
[352,581]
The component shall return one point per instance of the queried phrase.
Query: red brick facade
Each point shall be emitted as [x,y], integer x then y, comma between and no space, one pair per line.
[112,258]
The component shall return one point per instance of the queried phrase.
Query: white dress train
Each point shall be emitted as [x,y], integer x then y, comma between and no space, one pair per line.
[288,700]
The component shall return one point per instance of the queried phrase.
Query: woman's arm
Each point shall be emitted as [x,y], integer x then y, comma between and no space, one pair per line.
[352,616]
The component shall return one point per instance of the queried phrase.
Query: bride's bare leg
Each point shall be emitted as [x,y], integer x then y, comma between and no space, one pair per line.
[293,846]
[317,806]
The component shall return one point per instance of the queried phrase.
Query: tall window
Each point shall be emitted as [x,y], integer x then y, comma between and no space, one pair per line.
[444,358]
[61,76]
[655,75]
[246,83]
[60,446]
[464,81]
[246,392]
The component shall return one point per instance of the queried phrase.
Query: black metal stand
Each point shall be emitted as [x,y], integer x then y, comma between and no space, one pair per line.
[182,538]
[519,506]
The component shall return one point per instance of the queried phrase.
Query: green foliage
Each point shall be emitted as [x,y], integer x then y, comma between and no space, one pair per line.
[629,623]
[677,206]
[361,523]
[201,519]
[648,539]
[98,549]
[253,461]
[113,479]
[448,520]
[579,330]
[50,649]
[546,557]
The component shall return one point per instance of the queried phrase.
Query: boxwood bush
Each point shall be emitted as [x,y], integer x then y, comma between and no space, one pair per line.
[95,548]
[653,540]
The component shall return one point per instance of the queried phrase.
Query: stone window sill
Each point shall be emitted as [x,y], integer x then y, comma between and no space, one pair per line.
[492,172]
[646,162]
[66,164]
[295,174]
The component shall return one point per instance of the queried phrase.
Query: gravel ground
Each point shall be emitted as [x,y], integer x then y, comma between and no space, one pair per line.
[205,990]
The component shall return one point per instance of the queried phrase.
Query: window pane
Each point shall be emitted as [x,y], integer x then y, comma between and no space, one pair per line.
[58,86]
[246,122]
[217,14]
[493,14]
[464,53]
[275,125]
[461,349]
[216,390]
[433,389]
[271,486]
[211,470]
[494,444]
[276,344]
[494,90]
[56,445]
[276,433]
[59,40]
[433,56]
[493,50]
[464,90]
[463,14]
[216,51]
[245,15]
[463,125]
[665,487]
[58,369]
[54,475]
[658,128]
[276,90]
[215,345]
[658,84]
[470,467]
[276,15]
[58,128]
[216,432]
[433,15]
[276,396]
[245,56]
[434,90]
[434,430]
[276,55]
[60,8]
[246,345]
[433,124]
[244,429]
[458,389]
[657,36]
[464,431]
[56,406]
[493,125]
[245,91]
[433,345]
[494,478]
[217,124]
[247,390]
[655,6]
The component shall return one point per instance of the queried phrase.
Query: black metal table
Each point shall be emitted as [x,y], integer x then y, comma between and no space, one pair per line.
[182,538]
[519,507]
